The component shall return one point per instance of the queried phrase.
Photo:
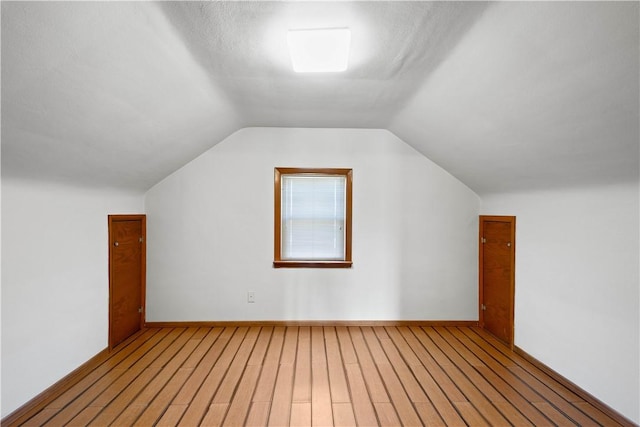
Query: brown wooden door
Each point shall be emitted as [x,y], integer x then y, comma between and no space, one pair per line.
[127,257]
[497,278]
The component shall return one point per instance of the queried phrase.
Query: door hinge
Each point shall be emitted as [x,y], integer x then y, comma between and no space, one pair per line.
[139,309]
[483,240]
[141,240]
[483,307]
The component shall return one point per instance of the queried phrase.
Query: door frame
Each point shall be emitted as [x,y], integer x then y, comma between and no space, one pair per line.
[143,279]
[512,221]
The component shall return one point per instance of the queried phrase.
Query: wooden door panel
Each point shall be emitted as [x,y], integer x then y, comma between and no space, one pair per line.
[497,276]
[126,269]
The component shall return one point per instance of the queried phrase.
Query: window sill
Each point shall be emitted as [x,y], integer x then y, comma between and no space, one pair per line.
[312,264]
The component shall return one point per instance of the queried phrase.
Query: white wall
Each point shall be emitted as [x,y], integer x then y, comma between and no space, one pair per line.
[577,286]
[210,234]
[55,287]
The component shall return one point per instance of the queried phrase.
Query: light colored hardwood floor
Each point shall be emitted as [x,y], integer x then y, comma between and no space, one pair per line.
[317,376]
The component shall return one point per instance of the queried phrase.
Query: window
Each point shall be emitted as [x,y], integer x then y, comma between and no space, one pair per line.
[312,218]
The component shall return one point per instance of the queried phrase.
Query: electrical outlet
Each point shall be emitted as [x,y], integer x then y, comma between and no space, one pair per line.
[251,297]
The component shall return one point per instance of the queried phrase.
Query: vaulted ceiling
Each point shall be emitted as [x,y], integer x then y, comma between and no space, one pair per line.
[505,96]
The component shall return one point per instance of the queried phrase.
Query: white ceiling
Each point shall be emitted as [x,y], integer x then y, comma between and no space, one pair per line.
[505,96]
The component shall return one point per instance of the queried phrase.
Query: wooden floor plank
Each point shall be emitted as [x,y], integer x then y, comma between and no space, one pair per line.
[335,364]
[321,408]
[372,340]
[201,401]
[409,382]
[102,392]
[343,415]
[215,415]
[267,381]
[289,348]
[171,416]
[557,388]
[456,373]
[239,407]
[440,401]
[258,414]
[175,347]
[151,380]
[260,348]
[375,386]
[514,398]
[471,415]
[562,398]
[397,394]
[83,393]
[399,398]
[596,414]
[120,403]
[502,366]
[487,370]
[282,397]
[41,417]
[362,407]
[567,408]
[204,342]
[460,357]
[302,381]
[275,346]
[498,364]
[316,375]
[500,357]
[132,352]
[280,411]
[203,347]
[346,346]
[429,415]
[515,416]
[85,417]
[203,369]
[554,415]
[423,405]
[387,415]
[301,414]
[114,387]
[403,348]
[416,339]
[157,384]
[235,370]
[162,401]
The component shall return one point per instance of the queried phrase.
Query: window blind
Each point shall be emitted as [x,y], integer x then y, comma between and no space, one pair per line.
[313,217]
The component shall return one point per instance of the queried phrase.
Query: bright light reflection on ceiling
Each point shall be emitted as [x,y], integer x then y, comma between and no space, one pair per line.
[319,50]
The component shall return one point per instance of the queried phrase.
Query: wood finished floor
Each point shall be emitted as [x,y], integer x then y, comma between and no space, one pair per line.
[320,376]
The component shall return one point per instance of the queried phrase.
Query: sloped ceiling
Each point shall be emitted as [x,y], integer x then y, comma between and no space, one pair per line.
[505,96]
